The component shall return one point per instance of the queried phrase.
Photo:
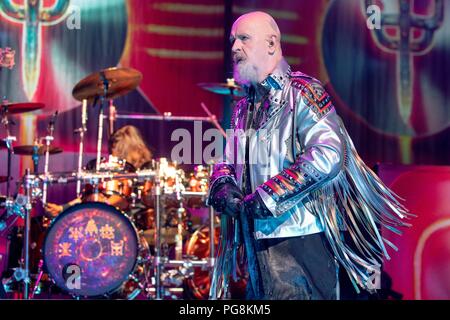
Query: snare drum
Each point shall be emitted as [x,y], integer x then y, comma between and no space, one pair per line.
[92,249]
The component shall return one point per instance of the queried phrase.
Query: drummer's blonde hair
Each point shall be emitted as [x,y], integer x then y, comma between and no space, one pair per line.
[127,143]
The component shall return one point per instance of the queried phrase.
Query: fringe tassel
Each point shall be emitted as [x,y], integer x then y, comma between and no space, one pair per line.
[357,200]
[236,237]
[223,269]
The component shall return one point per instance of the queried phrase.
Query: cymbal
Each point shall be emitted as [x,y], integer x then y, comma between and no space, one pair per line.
[28,150]
[225,88]
[22,107]
[120,82]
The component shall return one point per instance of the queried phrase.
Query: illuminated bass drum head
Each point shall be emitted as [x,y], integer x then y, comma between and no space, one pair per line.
[95,241]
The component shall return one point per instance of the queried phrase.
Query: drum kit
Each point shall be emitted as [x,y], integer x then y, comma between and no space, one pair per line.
[145,245]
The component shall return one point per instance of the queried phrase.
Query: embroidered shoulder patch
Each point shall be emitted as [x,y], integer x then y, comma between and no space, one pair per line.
[313,95]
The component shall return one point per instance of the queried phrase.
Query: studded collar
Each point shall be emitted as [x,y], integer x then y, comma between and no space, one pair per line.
[278,78]
[273,94]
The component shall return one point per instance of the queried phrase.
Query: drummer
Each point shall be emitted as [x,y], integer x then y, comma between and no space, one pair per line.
[125,143]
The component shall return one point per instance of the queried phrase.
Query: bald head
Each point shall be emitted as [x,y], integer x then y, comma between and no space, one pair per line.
[256,48]
[260,21]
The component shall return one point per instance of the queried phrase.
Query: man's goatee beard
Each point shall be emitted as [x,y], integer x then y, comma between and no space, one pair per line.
[245,74]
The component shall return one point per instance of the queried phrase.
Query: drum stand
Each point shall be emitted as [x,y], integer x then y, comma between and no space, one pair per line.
[159,261]
[48,139]
[180,211]
[81,130]
[100,119]
[29,183]
[212,256]
[8,141]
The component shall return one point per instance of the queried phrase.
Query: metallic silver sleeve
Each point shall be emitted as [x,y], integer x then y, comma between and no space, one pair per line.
[320,141]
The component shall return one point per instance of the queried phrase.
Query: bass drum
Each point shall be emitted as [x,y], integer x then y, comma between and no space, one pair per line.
[199,284]
[91,250]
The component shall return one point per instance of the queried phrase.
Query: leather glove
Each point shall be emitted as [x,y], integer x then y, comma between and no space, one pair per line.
[255,206]
[226,198]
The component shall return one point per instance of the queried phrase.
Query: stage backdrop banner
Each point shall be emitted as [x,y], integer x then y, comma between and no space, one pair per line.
[389,83]
[421,267]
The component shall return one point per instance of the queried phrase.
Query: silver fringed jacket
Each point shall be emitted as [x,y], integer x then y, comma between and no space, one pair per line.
[304,166]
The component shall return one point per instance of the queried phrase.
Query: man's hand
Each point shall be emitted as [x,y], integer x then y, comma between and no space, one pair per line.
[226,198]
[255,207]
[52,209]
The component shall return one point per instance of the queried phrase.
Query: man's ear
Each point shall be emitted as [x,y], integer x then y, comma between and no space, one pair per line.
[272,41]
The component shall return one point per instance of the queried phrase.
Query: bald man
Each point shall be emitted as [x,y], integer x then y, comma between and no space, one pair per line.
[292,182]
[256,47]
